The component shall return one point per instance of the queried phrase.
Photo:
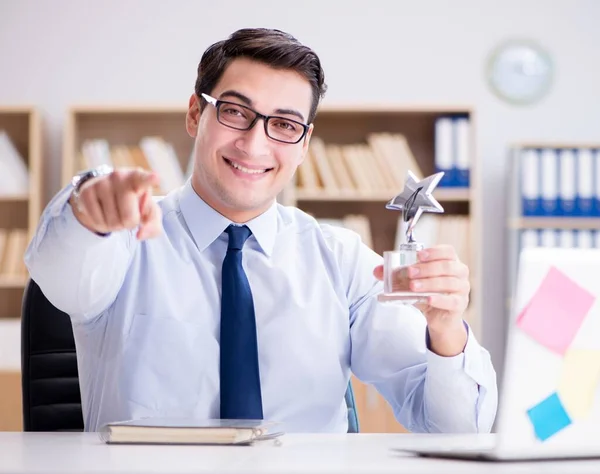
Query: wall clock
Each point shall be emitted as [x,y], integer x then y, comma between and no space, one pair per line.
[520,72]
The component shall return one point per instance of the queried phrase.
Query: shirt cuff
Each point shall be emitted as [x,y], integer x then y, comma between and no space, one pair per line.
[469,376]
[79,230]
[60,213]
[469,361]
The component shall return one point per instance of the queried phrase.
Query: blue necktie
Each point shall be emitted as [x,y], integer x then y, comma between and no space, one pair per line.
[239,373]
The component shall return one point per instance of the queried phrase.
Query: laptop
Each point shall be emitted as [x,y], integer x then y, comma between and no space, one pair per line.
[549,403]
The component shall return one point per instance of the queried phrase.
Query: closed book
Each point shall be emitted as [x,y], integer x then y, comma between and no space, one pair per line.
[186,431]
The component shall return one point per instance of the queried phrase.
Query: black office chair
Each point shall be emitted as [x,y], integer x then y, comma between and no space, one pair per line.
[50,381]
[49,377]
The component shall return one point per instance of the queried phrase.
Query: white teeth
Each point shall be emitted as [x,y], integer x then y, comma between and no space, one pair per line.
[246,170]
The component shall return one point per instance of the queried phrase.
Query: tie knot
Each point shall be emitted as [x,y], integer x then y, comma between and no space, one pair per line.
[237,236]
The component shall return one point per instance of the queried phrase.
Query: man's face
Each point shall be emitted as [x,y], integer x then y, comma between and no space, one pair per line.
[239,173]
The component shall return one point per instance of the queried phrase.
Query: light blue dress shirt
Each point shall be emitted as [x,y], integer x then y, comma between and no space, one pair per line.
[146,316]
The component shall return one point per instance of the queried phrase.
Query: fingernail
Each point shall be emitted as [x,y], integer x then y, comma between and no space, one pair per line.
[413,271]
[423,255]
[416,285]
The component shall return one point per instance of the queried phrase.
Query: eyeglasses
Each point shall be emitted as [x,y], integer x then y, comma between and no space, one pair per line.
[240,117]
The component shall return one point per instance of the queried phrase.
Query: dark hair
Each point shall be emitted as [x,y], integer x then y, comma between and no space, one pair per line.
[272,47]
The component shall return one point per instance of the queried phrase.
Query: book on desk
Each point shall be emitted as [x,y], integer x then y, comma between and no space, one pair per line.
[186,431]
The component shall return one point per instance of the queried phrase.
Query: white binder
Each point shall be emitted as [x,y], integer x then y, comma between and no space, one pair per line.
[530,182]
[584,199]
[549,169]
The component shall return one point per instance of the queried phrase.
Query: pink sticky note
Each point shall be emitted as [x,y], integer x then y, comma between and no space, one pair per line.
[555,312]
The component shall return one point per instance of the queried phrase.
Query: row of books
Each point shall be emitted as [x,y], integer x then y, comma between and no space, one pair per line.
[152,153]
[430,230]
[435,229]
[14,175]
[453,150]
[560,238]
[379,165]
[13,243]
[559,181]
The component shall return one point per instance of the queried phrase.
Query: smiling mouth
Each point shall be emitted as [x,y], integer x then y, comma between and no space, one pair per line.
[246,170]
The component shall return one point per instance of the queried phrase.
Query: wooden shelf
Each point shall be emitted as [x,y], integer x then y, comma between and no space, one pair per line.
[126,109]
[309,196]
[14,198]
[434,109]
[452,195]
[555,144]
[11,407]
[585,223]
[22,125]
[7,281]
[441,194]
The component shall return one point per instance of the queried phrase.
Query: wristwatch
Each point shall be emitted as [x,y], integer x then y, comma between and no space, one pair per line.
[81,178]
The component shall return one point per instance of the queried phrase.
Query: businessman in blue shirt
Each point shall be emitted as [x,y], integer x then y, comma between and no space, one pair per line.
[218,302]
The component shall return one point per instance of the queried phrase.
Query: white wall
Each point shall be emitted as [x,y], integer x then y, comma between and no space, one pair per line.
[56,53]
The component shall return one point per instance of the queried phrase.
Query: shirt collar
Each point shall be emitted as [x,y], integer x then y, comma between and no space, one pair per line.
[206,224]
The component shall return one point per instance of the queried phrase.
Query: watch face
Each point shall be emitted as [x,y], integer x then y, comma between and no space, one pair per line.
[520,72]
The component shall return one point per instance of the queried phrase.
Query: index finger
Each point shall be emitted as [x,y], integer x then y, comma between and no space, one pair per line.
[438,252]
[140,180]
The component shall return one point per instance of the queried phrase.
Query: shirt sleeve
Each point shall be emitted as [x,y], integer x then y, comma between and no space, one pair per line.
[79,271]
[389,349]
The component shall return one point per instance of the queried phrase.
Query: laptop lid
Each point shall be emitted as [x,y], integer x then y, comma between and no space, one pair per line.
[550,396]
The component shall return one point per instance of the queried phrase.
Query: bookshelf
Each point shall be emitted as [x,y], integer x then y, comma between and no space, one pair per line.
[125,127]
[20,208]
[361,208]
[19,211]
[553,199]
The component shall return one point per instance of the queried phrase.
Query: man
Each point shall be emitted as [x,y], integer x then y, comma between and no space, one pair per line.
[217,302]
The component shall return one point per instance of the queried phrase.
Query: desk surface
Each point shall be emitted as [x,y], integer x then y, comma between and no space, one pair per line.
[373,453]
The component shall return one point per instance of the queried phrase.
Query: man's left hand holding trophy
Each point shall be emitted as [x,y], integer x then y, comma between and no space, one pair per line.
[433,279]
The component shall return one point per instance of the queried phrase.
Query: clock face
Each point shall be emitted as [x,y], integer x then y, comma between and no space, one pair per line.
[520,72]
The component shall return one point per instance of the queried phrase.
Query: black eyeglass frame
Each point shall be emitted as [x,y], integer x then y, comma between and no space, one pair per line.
[257,115]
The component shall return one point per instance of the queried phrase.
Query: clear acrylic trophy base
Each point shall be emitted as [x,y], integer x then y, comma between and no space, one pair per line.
[394,291]
[403,297]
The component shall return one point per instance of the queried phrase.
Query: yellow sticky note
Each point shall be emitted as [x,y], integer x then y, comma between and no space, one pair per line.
[579,378]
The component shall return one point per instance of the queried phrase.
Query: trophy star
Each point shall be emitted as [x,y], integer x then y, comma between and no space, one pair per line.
[418,202]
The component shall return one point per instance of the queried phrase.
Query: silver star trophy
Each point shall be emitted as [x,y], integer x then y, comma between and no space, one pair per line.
[415,199]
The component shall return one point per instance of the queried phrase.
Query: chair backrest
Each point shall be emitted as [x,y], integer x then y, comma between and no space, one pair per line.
[50,380]
[50,383]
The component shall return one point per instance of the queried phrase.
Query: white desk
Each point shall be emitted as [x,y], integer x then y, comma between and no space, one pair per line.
[83,453]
